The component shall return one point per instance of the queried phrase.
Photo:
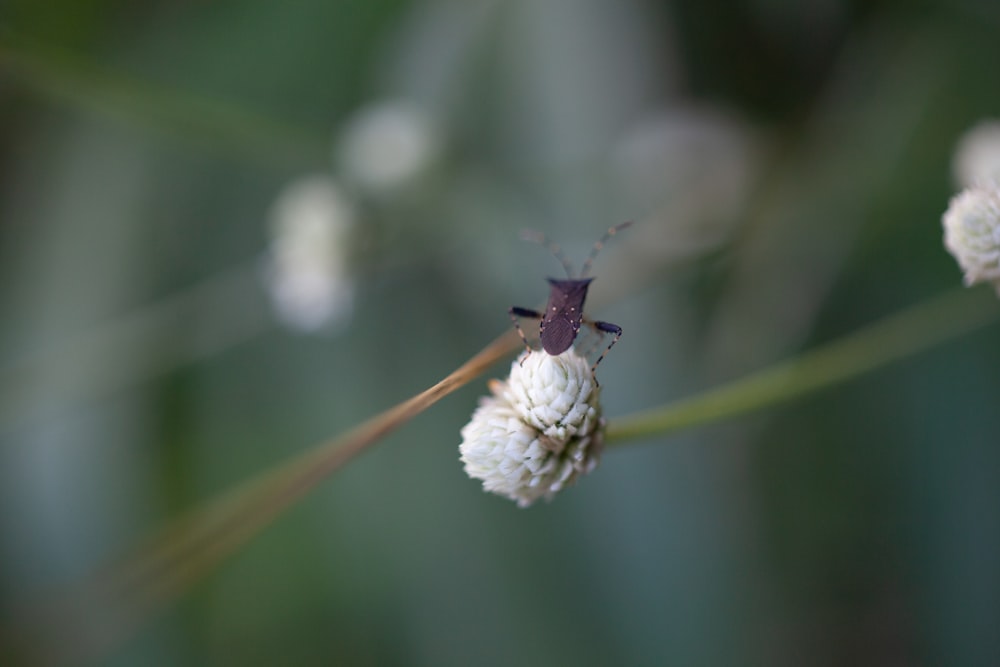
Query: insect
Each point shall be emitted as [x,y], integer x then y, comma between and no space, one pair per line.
[563,316]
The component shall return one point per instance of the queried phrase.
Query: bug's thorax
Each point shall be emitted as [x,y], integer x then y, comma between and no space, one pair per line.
[568,289]
[566,297]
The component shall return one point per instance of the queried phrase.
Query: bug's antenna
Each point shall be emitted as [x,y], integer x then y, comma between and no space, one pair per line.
[600,244]
[540,238]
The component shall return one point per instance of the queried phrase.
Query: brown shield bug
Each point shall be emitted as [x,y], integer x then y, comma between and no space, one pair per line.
[563,316]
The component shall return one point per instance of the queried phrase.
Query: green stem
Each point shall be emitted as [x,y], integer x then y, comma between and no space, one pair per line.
[890,339]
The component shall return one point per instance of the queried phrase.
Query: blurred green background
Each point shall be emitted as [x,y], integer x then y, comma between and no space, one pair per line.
[787,165]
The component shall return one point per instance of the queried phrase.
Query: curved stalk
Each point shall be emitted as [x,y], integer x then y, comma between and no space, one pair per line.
[893,338]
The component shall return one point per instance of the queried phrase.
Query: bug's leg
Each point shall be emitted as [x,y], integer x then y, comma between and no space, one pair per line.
[516,312]
[592,345]
[606,327]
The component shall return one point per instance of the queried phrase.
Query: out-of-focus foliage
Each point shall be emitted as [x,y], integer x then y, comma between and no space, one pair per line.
[787,165]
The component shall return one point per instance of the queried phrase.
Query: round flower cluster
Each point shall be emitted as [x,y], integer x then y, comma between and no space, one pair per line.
[538,431]
[972,234]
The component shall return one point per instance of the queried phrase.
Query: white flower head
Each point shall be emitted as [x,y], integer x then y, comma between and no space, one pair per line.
[386,146]
[972,234]
[539,431]
[977,156]
[556,395]
[307,272]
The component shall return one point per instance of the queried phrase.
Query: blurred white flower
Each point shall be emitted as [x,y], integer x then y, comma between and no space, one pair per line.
[693,168]
[972,233]
[386,146]
[307,272]
[539,431]
[977,155]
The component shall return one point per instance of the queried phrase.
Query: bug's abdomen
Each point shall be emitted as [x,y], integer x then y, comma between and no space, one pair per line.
[558,333]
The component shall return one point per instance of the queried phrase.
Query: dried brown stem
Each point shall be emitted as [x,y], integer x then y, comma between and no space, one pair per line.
[129,592]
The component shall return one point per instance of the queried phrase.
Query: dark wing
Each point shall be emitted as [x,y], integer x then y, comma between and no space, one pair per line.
[558,333]
[563,314]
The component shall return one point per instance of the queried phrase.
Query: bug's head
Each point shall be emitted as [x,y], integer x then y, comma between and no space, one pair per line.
[569,284]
